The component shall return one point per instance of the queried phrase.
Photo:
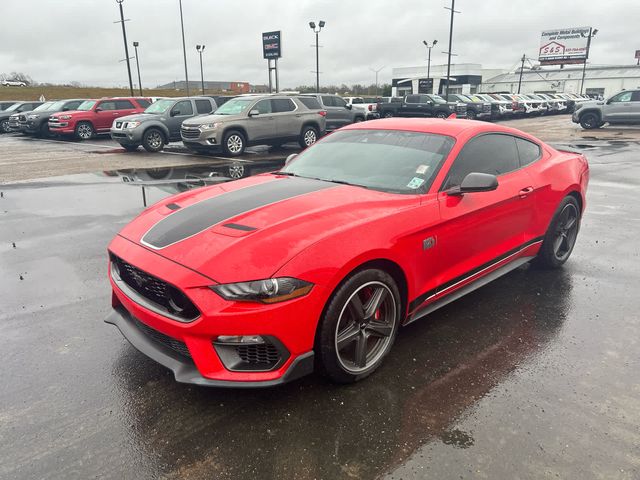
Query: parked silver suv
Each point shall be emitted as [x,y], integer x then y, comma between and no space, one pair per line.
[623,107]
[256,120]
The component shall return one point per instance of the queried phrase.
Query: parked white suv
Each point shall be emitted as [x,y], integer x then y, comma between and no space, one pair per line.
[13,83]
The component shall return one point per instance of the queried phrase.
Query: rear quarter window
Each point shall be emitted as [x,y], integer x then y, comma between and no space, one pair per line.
[311,103]
[528,151]
[143,103]
[124,105]
[203,106]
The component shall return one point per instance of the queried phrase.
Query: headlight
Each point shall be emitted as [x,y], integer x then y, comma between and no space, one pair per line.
[210,126]
[271,290]
[32,117]
[65,117]
[131,124]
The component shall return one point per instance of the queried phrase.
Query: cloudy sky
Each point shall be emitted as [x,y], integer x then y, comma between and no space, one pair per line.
[76,40]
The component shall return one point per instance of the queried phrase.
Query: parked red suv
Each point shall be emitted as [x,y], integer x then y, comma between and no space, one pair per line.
[95,116]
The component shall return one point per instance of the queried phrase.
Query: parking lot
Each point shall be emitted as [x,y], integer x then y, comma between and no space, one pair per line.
[535,373]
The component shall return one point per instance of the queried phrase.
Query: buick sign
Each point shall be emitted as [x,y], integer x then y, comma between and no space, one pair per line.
[271,45]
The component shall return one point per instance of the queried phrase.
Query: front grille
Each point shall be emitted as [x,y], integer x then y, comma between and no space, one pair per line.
[486,108]
[165,340]
[162,294]
[22,118]
[191,133]
[461,109]
[259,354]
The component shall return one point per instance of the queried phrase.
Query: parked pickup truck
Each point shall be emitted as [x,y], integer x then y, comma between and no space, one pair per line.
[368,105]
[421,106]
[160,123]
[475,109]
[95,116]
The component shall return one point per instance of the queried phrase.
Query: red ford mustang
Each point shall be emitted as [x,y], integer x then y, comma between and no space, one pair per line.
[257,282]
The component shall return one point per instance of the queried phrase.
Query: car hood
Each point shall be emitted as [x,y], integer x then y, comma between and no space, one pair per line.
[589,103]
[248,229]
[199,120]
[139,117]
[74,113]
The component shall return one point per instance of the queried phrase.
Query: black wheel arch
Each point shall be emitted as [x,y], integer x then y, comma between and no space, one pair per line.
[310,123]
[163,129]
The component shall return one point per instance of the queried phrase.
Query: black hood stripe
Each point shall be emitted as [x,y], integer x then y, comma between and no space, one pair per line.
[191,220]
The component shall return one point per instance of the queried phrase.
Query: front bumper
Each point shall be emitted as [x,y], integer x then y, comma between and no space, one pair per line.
[127,137]
[194,136]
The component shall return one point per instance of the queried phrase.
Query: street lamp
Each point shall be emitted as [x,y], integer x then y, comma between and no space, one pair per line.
[429,60]
[126,47]
[449,53]
[200,49]
[377,72]
[592,33]
[135,46]
[312,25]
[184,50]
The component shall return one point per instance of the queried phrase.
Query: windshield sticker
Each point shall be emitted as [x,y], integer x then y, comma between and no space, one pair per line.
[415,183]
[422,169]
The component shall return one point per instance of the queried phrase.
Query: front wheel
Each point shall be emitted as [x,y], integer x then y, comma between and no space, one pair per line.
[589,121]
[471,114]
[561,235]
[308,136]
[359,326]
[153,140]
[441,115]
[233,143]
[4,126]
[387,114]
[84,131]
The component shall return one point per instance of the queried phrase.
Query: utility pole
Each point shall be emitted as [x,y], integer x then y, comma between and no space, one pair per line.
[453,11]
[200,49]
[592,33]
[126,47]
[376,72]
[184,50]
[135,46]
[429,60]
[317,30]
[521,70]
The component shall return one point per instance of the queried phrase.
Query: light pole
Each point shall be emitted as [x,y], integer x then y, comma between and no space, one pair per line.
[200,49]
[453,11]
[135,46]
[376,72]
[433,44]
[521,70]
[321,24]
[126,47]
[184,49]
[592,33]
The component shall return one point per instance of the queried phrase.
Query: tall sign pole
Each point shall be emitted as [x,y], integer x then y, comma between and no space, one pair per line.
[453,11]
[126,47]
[184,50]
[272,50]
[521,70]
[592,33]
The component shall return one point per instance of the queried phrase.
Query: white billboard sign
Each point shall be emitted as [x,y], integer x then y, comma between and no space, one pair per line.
[565,45]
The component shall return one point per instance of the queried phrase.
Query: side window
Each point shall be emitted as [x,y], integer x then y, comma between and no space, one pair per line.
[413,99]
[493,153]
[73,105]
[339,102]
[310,102]
[635,96]
[124,105]
[357,100]
[143,102]
[263,106]
[203,106]
[327,101]
[109,105]
[182,108]
[280,105]
[622,97]
[528,151]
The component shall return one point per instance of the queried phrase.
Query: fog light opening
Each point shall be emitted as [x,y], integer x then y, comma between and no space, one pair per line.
[240,339]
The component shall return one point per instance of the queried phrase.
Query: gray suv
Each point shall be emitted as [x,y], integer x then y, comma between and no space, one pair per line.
[256,120]
[160,123]
[339,112]
[623,107]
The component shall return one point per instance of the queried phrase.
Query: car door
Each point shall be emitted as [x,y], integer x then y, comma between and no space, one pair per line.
[105,114]
[288,121]
[619,108]
[334,115]
[178,114]
[263,125]
[344,114]
[482,229]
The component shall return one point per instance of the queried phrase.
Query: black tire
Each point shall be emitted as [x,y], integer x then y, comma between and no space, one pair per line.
[355,330]
[4,126]
[308,136]
[590,121]
[84,131]
[43,131]
[441,114]
[471,114]
[234,143]
[561,235]
[387,114]
[153,140]
[358,119]
[130,148]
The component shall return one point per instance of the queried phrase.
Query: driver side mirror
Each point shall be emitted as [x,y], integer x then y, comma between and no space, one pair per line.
[174,113]
[254,113]
[348,106]
[475,182]
[290,158]
[98,110]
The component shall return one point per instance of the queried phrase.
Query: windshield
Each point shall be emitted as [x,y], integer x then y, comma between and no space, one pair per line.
[13,107]
[385,160]
[57,106]
[44,106]
[87,105]
[160,106]
[464,98]
[475,98]
[437,98]
[235,106]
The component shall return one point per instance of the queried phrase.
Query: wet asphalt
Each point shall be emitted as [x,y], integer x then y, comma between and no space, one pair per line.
[536,375]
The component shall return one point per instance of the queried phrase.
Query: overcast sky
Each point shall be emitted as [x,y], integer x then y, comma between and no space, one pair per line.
[76,40]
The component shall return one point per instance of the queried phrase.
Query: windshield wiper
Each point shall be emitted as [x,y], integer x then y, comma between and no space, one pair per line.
[288,174]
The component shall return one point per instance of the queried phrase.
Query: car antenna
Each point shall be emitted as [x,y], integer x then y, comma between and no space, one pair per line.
[453,116]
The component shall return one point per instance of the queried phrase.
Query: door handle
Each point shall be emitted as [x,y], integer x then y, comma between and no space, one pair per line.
[525,191]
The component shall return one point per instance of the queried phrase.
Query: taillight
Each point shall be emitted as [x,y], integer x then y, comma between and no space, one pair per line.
[371,108]
[322,113]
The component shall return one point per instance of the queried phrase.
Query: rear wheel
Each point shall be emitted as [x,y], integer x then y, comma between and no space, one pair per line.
[153,140]
[441,114]
[471,114]
[387,114]
[308,136]
[561,235]
[84,131]
[234,143]
[358,119]
[589,121]
[359,326]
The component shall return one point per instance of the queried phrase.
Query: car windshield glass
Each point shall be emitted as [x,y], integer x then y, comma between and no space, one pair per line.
[437,98]
[87,105]
[13,107]
[385,160]
[476,99]
[160,106]
[44,106]
[235,106]
[465,98]
[56,106]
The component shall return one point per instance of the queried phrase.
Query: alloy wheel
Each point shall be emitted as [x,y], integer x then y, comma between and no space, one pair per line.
[566,232]
[236,171]
[234,143]
[310,137]
[154,139]
[365,326]
[4,126]
[85,131]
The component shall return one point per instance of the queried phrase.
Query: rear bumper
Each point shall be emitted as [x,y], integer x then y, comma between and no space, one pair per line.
[184,370]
